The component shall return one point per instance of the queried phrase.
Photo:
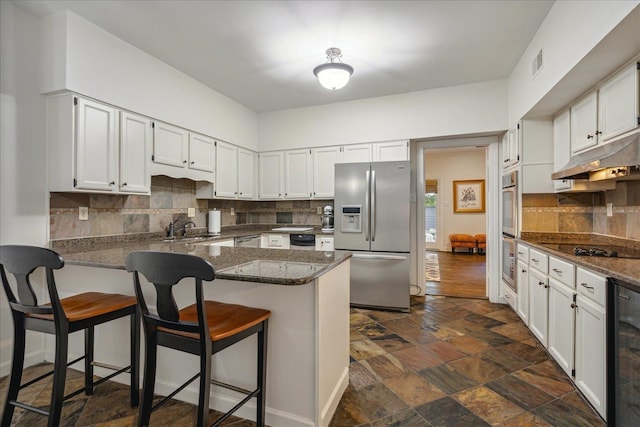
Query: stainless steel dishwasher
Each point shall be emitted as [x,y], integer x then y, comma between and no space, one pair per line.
[252,241]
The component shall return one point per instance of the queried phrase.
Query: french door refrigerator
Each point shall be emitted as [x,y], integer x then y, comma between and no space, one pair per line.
[372,221]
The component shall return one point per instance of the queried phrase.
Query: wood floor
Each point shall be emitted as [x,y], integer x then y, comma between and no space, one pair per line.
[461,275]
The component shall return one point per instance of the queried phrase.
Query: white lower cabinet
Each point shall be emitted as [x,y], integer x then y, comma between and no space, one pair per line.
[523,291]
[324,243]
[590,339]
[275,241]
[539,305]
[561,324]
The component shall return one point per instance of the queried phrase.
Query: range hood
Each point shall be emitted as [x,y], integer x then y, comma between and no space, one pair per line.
[616,160]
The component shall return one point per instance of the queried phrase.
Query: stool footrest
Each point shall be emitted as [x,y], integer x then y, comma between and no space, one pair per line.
[231,387]
[29,407]
[176,391]
[96,383]
[35,380]
[250,394]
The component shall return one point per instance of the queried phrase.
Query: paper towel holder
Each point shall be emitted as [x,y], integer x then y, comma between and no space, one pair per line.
[214,223]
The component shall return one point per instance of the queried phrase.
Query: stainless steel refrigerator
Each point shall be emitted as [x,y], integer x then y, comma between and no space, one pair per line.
[372,221]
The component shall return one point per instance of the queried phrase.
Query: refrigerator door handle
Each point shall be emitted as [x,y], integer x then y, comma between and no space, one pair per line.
[389,257]
[366,205]
[373,206]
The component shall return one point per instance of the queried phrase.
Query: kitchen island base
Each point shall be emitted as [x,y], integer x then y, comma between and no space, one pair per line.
[308,345]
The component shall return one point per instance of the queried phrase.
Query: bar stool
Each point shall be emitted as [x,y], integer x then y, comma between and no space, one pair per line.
[201,329]
[60,317]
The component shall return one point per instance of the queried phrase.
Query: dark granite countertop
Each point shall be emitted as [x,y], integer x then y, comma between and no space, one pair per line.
[556,244]
[275,266]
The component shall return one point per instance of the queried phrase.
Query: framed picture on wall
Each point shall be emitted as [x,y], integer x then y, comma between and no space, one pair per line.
[468,196]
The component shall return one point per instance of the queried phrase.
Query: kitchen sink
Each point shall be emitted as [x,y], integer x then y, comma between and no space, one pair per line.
[294,229]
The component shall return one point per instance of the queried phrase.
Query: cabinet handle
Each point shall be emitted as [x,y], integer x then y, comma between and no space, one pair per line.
[584,285]
[286,194]
[184,162]
[598,132]
[112,183]
[279,194]
[524,271]
[540,283]
[235,192]
[520,253]
[124,184]
[193,163]
[546,286]
[506,161]
[573,305]
[535,260]
[589,136]
[557,271]
[625,297]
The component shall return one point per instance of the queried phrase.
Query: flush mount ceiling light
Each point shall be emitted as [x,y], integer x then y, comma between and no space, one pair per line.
[334,74]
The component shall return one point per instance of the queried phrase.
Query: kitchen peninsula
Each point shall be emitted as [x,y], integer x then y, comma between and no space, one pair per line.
[308,346]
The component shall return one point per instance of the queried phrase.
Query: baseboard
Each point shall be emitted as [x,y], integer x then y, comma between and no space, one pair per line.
[30,359]
[332,404]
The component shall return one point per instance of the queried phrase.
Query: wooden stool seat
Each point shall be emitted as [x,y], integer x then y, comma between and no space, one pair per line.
[60,318]
[223,320]
[90,304]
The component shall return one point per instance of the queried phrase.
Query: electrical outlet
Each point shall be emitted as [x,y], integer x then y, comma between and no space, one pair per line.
[191,212]
[319,210]
[83,213]
[233,212]
[609,209]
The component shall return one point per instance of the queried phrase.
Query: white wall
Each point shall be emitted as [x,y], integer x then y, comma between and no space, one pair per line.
[102,66]
[448,166]
[569,32]
[474,108]
[23,193]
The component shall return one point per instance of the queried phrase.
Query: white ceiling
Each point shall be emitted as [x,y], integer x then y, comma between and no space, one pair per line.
[261,53]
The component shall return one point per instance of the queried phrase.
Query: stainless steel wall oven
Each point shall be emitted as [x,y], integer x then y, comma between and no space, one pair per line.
[509,228]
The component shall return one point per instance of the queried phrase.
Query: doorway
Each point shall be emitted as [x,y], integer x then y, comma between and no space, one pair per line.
[436,206]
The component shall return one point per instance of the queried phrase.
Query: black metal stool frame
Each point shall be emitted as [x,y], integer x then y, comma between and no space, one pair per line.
[21,262]
[165,270]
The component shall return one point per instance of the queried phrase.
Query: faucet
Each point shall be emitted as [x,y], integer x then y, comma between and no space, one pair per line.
[184,227]
[170,229]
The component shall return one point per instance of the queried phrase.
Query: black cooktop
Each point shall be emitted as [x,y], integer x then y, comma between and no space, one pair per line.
[594,250]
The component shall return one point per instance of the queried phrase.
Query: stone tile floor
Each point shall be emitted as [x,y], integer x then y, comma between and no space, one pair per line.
[450,362]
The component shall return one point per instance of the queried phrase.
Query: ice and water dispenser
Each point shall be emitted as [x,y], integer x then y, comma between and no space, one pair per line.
[351,221]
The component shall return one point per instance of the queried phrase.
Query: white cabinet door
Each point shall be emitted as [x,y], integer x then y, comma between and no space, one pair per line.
[562,324]
[561,147]
[584,123]
[591,360]
[618,103]
[201,152]
[271,175]
[506,151]
[523,291]
[538,305]
[246,174]
[135,153]
[324,243]
[297,171]
[226,170]
[357,153]
[390,151]
[96,146]
[514,145]
[170,145]
[324,161]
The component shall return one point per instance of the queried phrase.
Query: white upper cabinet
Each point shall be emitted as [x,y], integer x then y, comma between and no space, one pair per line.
[357,153]
[201,152]
[324,160]
[92,150]
[96,146]
[170,145]
[584,123]
[618,103]
[226,170]
[390,151]
[561,147]
[297,174]
[511,148]
[135,151]
[271,175]
[246,174]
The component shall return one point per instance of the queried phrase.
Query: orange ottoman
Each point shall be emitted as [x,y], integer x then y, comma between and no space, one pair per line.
[466,241]
[481,242]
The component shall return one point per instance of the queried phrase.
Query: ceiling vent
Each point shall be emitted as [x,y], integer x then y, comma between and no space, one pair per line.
[536,64]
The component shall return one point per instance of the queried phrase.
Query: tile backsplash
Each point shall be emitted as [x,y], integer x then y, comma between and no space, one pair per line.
[169,200]
[585,212]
